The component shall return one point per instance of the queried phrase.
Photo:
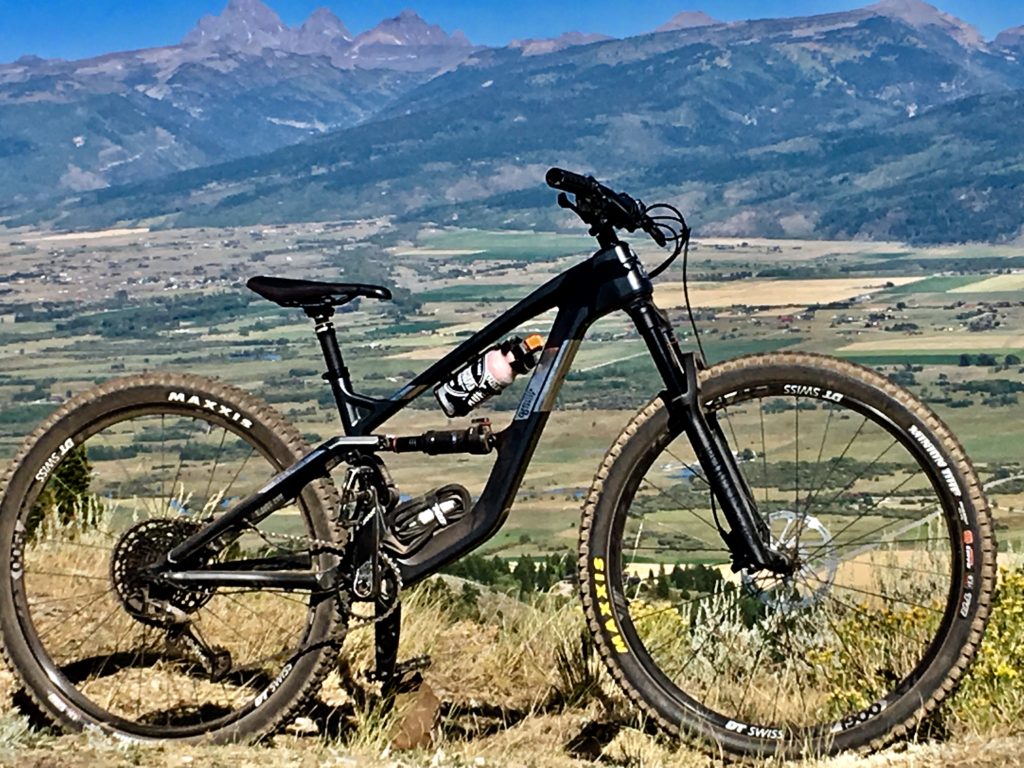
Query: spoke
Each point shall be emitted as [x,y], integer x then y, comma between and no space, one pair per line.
[764,452]
[867,545]
[869,593]
[655,612]
[696,472]
[67,574]
[163,459]
[713,685]
[238,472]
[280,594]
[66,620]
[789,662]
[824,437]
[711,634]
[87,634]
[858,610]
[213,471]
[666,549]
[33,602]
[842,640]
[636,541]
[80,544]
[796,464]
[177,474]
[849,485]
[680,502]
[908,527]
[261,616]
[750,679]
[880,542]
[120,678]
[138,678]
[813,495]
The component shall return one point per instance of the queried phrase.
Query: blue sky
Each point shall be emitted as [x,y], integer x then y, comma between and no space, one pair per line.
[78,28]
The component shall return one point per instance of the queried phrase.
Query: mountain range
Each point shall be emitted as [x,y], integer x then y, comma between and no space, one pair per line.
[892,121]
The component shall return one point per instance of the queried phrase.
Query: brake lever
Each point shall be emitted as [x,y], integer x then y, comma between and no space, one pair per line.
[565,202]
[652,229]
[592,218]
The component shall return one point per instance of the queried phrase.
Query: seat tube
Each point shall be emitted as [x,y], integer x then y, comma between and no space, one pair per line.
[337,374]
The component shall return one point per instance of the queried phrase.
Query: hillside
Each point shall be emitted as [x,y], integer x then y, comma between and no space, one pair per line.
[891,121]
[859,124]
[240,83]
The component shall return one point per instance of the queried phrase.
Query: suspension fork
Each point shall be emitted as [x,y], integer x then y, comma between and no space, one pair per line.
[748,537]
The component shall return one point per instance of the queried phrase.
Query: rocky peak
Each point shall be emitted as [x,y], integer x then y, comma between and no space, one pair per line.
[921,15]
[409,29]
[242,25]
[1011,38]
[322,22]
[322,33]
[688,20]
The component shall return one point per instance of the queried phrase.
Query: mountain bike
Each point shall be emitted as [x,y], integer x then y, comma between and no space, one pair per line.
[784,554]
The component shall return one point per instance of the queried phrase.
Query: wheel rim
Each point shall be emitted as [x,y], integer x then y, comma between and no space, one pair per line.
[861,617]
[134,477]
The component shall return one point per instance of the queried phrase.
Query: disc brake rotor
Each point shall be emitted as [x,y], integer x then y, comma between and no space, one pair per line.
[807,544]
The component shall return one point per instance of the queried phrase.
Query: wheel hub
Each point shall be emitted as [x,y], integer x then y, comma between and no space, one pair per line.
[147,601]
[807,544]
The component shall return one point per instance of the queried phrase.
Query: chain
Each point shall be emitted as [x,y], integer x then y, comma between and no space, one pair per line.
[312,543]
[352,621]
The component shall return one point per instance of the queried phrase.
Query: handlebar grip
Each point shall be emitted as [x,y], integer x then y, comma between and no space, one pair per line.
[570,182]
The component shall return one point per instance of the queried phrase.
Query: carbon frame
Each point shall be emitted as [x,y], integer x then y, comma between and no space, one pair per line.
[611,280]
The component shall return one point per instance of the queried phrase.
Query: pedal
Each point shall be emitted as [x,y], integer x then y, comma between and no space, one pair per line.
[415,664]
[406,677]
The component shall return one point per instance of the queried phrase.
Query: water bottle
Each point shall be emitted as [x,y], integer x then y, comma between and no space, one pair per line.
[487,375]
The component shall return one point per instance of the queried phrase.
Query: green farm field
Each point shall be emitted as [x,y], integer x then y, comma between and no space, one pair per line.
[182,306]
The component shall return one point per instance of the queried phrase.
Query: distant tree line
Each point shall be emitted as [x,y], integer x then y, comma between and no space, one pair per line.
[529,575]
[986,360]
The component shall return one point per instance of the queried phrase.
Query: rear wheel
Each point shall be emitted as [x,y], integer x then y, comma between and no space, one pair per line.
[111,482]
[877,509]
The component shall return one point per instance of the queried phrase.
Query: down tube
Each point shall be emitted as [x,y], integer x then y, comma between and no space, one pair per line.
[515,449]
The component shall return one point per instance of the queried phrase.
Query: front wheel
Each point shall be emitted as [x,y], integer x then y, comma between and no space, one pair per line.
[875,506]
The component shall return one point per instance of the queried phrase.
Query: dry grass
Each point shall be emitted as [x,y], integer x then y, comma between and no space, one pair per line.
[503,691]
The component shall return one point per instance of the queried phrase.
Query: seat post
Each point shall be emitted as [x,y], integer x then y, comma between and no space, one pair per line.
[337,374]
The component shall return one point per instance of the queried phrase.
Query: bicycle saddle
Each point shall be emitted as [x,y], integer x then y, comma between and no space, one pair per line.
[312,293]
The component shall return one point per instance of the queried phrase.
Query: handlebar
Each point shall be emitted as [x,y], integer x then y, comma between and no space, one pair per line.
[573,183]
[604,209]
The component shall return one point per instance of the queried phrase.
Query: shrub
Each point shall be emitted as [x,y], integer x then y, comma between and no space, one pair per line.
[992,692]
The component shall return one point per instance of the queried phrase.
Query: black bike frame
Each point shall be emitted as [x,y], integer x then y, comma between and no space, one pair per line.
[611,280]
